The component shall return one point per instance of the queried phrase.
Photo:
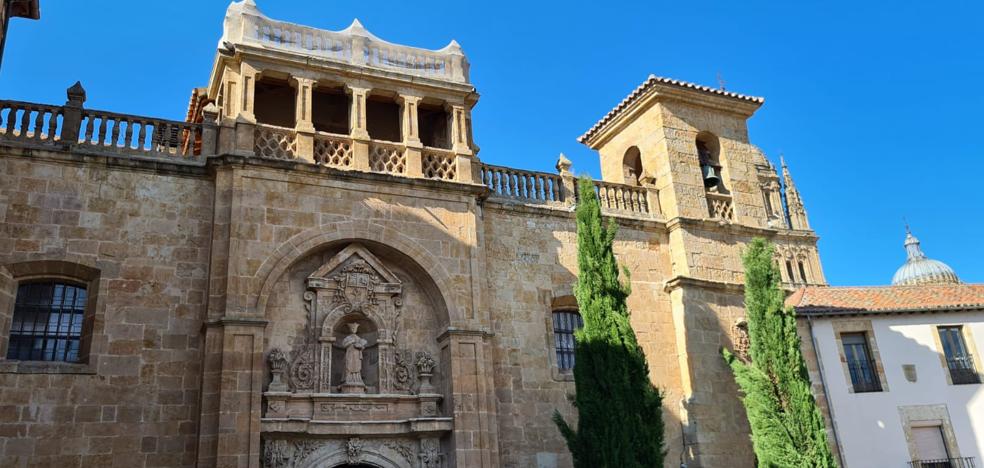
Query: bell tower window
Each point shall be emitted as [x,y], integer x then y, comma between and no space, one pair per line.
[632,166]
[708,153]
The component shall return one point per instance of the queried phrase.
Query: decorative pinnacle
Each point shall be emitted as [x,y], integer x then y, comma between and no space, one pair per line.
[564,164]
[357,28]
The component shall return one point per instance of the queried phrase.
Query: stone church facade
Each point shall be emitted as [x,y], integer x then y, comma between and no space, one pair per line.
[315,269]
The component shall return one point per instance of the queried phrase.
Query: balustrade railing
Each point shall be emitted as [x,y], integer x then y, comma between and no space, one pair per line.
[107,131]
[962,370]
[139,135]
[529,186]
[620,197]
[30,121]
[438,164]
[274,142]
[388,158]
[332,150]
[352,46]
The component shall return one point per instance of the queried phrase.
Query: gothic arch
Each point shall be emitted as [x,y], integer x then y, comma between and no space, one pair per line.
[434,278]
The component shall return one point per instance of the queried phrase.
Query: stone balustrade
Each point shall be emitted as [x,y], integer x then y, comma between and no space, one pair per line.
[105,132]
[622,198]
[245,25]
[30,121]
[139,135]
[506,182]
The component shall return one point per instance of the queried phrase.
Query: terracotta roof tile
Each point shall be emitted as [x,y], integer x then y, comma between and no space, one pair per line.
[851,300]
[649,83]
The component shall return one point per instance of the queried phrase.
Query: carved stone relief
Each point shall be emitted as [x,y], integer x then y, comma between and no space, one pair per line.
[303,453]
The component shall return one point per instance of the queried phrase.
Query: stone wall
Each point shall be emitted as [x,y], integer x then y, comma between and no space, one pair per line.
[135,401]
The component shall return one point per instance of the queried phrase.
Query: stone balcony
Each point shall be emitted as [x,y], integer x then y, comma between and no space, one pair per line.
[79,130]
[246,26]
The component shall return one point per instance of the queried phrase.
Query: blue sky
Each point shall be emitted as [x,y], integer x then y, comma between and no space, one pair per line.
[876,106]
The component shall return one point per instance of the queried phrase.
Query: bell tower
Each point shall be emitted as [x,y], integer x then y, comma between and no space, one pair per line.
[690,144]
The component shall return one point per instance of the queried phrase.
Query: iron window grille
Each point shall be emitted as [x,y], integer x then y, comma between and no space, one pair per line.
[959,361]
[564,324]
[47,322]
[864,374]
[965,462]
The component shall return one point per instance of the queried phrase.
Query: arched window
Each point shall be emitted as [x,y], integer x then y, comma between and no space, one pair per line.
[565,322]
[632,166]
[47,321]
[708,153]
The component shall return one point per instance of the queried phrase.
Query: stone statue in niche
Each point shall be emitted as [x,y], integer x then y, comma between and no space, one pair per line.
[353,344]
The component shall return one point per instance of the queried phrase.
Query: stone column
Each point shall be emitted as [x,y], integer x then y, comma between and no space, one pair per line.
[459,144]
[232,384]
[360,132]
[245,119]
[210,131]
[652,194]
[411,136]
[304,126]
[475,436]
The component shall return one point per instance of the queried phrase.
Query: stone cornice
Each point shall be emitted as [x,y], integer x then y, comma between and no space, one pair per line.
[734,228]
[297,167]
[237,321]
[454,331]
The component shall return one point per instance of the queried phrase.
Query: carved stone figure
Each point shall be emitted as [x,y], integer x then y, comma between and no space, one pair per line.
[403,374]
[353,450]
[353,344]
[430,453]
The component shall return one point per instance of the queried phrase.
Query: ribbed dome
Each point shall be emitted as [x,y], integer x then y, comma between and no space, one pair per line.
[919,269]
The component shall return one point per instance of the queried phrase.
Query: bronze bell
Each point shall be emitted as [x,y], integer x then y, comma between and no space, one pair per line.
[711,178]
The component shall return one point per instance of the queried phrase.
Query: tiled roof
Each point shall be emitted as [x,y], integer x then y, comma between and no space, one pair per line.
[649,83]
[854,300]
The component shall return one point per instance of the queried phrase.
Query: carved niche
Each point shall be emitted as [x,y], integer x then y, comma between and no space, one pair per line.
[354,304]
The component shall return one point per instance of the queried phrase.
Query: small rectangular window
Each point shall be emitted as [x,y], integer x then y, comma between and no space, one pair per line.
[564,324]
[959,360]
[860,365]
[47,322]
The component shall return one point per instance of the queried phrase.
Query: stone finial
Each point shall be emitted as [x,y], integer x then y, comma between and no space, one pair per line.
[564,165]
[357,29]
[795,209]
[278,366]
[453,48]
[76,94]
[211,112]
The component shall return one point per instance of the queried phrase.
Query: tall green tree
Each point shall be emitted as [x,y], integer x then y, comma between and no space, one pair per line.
[787,427]
[620,423]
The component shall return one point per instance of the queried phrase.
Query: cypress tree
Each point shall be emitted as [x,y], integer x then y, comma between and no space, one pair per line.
[787,427]
[620,422]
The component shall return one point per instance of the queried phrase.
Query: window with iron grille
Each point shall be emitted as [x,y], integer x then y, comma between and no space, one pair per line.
[860,365]
[47,322]
[959,360]
[564,324]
